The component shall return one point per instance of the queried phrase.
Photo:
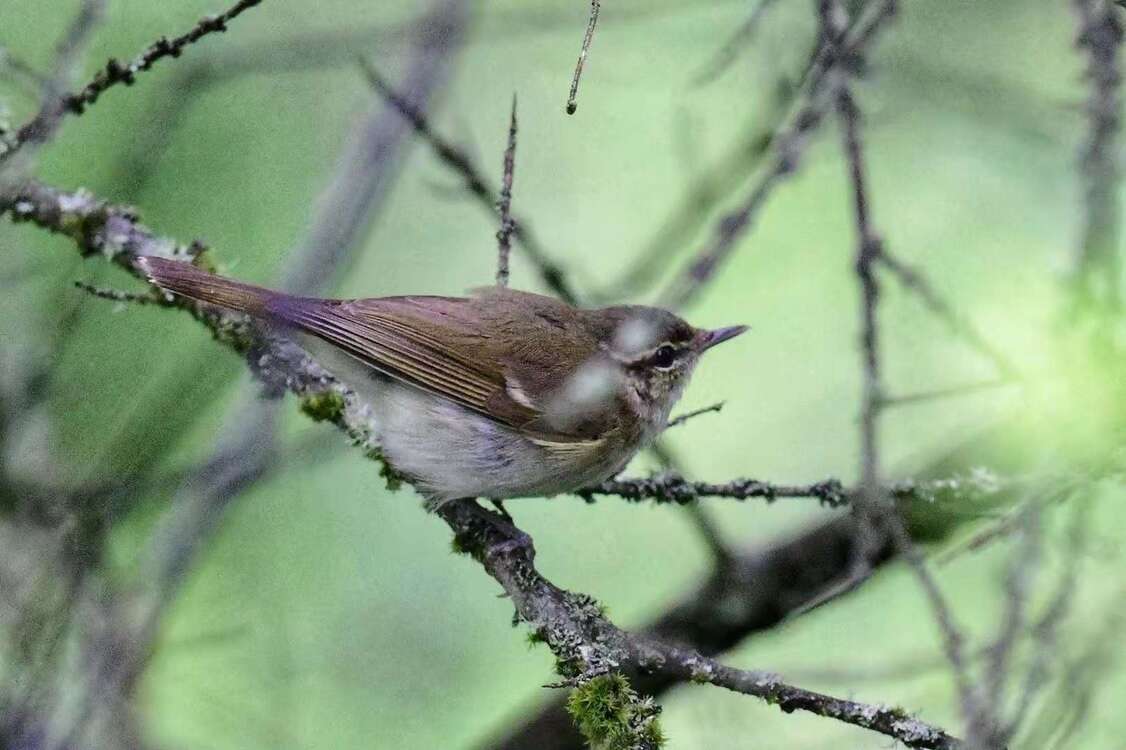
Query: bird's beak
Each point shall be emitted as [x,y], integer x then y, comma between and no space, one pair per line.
[709,339]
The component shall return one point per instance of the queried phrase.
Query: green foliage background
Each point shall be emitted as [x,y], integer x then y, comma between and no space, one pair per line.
[329,613]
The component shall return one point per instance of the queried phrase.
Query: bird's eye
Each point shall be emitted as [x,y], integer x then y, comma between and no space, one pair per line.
[664,356]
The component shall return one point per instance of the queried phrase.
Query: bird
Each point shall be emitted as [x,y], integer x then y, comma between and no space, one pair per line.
[496,395]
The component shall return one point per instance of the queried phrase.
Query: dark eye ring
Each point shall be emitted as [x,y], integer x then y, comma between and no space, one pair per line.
[664,356]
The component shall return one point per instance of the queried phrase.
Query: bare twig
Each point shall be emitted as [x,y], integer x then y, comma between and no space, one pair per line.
[459,161]
[868,250]
[116,72]
[751,594]
[53,106]
[572,105]
[117,295]
[504,205]
[678,421]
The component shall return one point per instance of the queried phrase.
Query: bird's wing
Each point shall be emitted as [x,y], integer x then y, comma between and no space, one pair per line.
[425,342]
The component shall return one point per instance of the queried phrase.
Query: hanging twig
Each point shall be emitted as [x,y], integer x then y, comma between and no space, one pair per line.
[458,160]
[572,105]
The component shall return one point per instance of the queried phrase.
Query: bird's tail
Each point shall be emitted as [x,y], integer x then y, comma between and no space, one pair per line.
[191,282]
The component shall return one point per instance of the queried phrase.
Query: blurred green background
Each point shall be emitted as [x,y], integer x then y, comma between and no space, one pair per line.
[329,612]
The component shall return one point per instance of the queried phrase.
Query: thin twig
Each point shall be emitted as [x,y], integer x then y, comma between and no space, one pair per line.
[953,642]
[678,421]
[504,205]
[572,105]
[117,295]
[868,250]
[458,160]
[116,72]
[53,105]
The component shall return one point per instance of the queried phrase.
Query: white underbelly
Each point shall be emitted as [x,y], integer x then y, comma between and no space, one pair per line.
[450,452]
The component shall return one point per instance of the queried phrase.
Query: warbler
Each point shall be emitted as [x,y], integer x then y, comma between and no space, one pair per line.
[498,395]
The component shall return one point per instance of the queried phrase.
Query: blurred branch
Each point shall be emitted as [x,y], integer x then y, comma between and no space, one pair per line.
[246,450]
[1045,630]
[363,178]
[1099,36]
[588,37]
[787,147]
[53,104]
[726,55]
[914,280]
[871,505]
[317,50]
[21,71]
[460,161]
[116,72]
[1067,709]
[504,205]
[954,391]
[728,173]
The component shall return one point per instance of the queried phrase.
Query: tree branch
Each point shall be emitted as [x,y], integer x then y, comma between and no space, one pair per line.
[116,72]
[1100,38]
[788,147]
[585,642]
